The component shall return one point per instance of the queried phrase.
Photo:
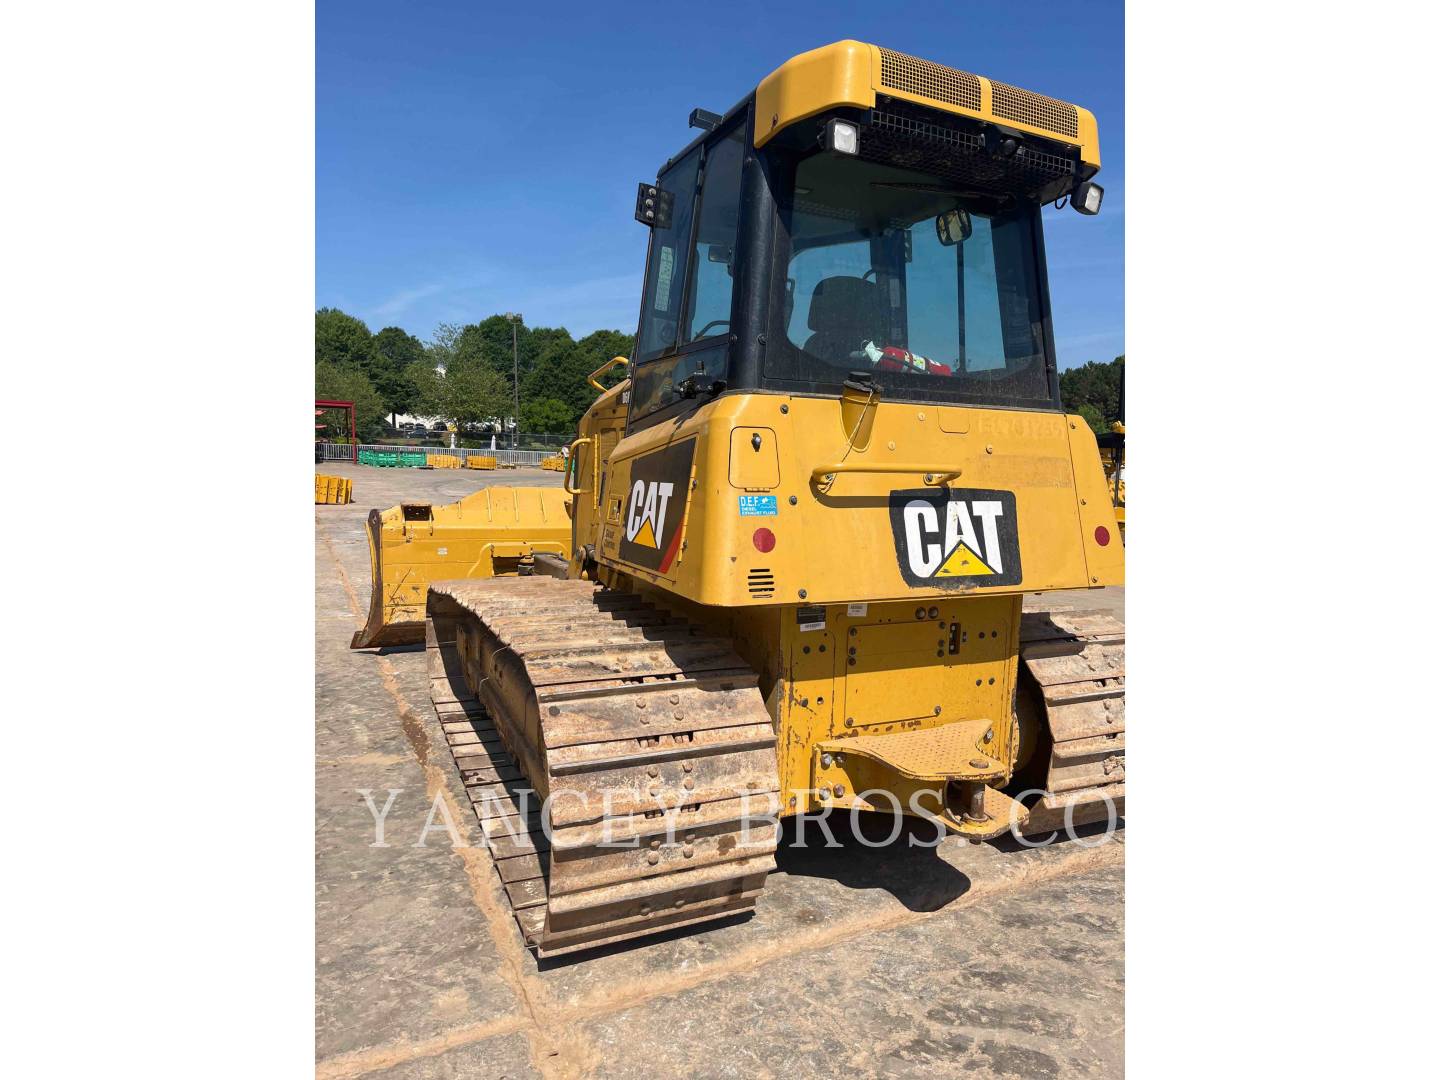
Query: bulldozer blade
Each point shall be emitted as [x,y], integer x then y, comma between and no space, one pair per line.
[497,531]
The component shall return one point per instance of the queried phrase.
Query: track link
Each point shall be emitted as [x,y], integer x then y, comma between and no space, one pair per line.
[1077,660]
[646,742]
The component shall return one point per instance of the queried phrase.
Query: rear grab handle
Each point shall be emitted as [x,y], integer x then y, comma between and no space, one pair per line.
[823,476]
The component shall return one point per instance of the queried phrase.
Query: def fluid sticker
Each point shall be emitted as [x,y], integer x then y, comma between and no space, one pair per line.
[956,538]
[655,507]
[757,506]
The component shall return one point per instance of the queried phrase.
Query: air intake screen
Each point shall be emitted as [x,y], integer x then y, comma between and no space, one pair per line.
[916,76]
[762,583]
[1015,104]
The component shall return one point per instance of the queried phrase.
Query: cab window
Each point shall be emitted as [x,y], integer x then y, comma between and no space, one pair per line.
[712,263]
[669,254]
[680,358]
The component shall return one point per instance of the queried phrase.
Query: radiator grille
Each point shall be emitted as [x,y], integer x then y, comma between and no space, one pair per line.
[1015,104]
[762,583]
[915,76]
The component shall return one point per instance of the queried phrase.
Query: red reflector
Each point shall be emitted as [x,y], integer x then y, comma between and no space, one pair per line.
[1102,535]
[764,540]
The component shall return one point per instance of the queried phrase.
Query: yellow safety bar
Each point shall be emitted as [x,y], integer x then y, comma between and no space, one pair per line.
[602,369]
[571,470]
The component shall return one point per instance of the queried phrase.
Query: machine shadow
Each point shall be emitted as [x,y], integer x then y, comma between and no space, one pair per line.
[908,867]
[393,650]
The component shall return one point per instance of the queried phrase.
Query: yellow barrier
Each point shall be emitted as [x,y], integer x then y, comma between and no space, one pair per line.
[555,463]
[442,461]
[332,490]
[480,461]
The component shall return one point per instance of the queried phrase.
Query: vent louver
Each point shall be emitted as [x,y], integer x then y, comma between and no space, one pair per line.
[1034,109]
[761,582]
[915,76]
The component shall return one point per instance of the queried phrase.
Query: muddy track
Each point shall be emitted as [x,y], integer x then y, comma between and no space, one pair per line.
[1077,662]
[647,740]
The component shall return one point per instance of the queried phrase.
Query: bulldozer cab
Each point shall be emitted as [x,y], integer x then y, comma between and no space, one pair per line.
[889,237]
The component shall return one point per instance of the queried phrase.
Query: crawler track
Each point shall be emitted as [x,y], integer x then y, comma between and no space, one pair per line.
[649,739]
[1077,661]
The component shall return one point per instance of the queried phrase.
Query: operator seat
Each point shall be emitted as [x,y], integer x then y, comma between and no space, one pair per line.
[845,313]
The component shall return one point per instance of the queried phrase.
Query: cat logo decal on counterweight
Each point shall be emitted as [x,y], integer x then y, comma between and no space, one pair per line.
[655,507]
[956,538]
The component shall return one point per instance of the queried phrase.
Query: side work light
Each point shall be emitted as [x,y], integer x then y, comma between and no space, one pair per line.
[1087,197]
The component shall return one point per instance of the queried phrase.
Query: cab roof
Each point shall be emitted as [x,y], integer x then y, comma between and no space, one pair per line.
[853,73]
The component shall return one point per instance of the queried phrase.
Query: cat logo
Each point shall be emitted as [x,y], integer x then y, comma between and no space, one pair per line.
[655,507]
[648,505]
[956,538]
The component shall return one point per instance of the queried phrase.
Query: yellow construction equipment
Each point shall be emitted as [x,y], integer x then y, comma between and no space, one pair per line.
[496,531]
[553,463]
[332,490]
[804,523]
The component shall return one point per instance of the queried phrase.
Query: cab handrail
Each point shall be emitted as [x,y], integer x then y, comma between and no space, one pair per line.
[602,369]
[572,466]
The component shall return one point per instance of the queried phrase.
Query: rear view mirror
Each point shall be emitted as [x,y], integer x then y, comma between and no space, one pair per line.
[722,253]
[953,227]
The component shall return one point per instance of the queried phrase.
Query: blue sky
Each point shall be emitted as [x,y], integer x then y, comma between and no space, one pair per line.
[474,157]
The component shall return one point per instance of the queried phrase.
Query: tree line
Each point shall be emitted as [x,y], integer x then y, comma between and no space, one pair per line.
[464,374]
[1096,391]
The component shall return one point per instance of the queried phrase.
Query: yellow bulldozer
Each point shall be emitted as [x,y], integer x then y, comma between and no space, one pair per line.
[802,526]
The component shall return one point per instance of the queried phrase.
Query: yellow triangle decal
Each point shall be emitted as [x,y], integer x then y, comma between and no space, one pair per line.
[963,563]
[646,535]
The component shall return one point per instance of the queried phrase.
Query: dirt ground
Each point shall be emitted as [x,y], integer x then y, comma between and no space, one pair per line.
[986,959]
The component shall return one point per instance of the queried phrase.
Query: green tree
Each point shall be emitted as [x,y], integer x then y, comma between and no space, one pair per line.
[466,392]
[488,342]
[546,416]
[553,368]
[342,340]
[337,383]
[394,351]
[1094,391]
[443,346]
